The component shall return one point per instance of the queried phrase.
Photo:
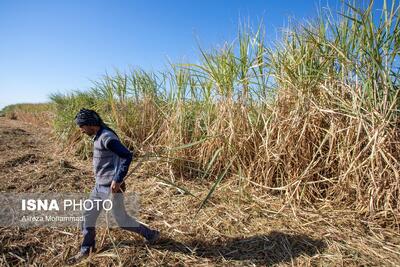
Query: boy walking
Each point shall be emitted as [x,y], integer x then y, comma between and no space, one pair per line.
[111,160]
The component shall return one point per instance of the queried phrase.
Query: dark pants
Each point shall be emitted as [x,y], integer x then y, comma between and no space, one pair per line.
[125,221]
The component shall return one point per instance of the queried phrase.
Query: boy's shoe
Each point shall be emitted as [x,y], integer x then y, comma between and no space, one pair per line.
[154,238]
[151,236]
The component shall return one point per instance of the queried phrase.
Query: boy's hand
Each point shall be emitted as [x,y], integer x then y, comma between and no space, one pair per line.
[115,187]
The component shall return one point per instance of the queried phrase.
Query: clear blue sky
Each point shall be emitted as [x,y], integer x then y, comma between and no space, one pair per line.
[51,46]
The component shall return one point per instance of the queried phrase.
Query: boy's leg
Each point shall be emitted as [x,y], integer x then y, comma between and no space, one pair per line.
[88,225]
[88,228]
[129,223]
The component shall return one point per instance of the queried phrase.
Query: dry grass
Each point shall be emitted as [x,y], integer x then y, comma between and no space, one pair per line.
[313,118]
[238,226]
[40,114]
[290,153]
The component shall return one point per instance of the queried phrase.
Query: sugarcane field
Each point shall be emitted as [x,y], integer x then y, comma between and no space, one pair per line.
[172,133]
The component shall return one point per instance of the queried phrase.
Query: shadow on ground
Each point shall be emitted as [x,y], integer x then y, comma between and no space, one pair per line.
[274,248]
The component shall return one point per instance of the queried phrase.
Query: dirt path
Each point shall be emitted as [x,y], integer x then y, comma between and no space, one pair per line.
[239,227]
[31,162]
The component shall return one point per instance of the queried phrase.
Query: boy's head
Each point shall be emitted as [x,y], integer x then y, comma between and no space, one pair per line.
[88,121]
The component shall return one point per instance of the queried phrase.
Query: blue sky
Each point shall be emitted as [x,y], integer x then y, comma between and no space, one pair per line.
[57,46]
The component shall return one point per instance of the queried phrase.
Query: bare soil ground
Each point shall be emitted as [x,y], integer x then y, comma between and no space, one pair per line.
[242,226]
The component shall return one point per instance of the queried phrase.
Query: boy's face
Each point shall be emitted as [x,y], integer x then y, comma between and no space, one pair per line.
[89,130]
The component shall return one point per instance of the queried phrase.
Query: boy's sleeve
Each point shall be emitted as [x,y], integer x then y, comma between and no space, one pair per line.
[126,158]
[107,137]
